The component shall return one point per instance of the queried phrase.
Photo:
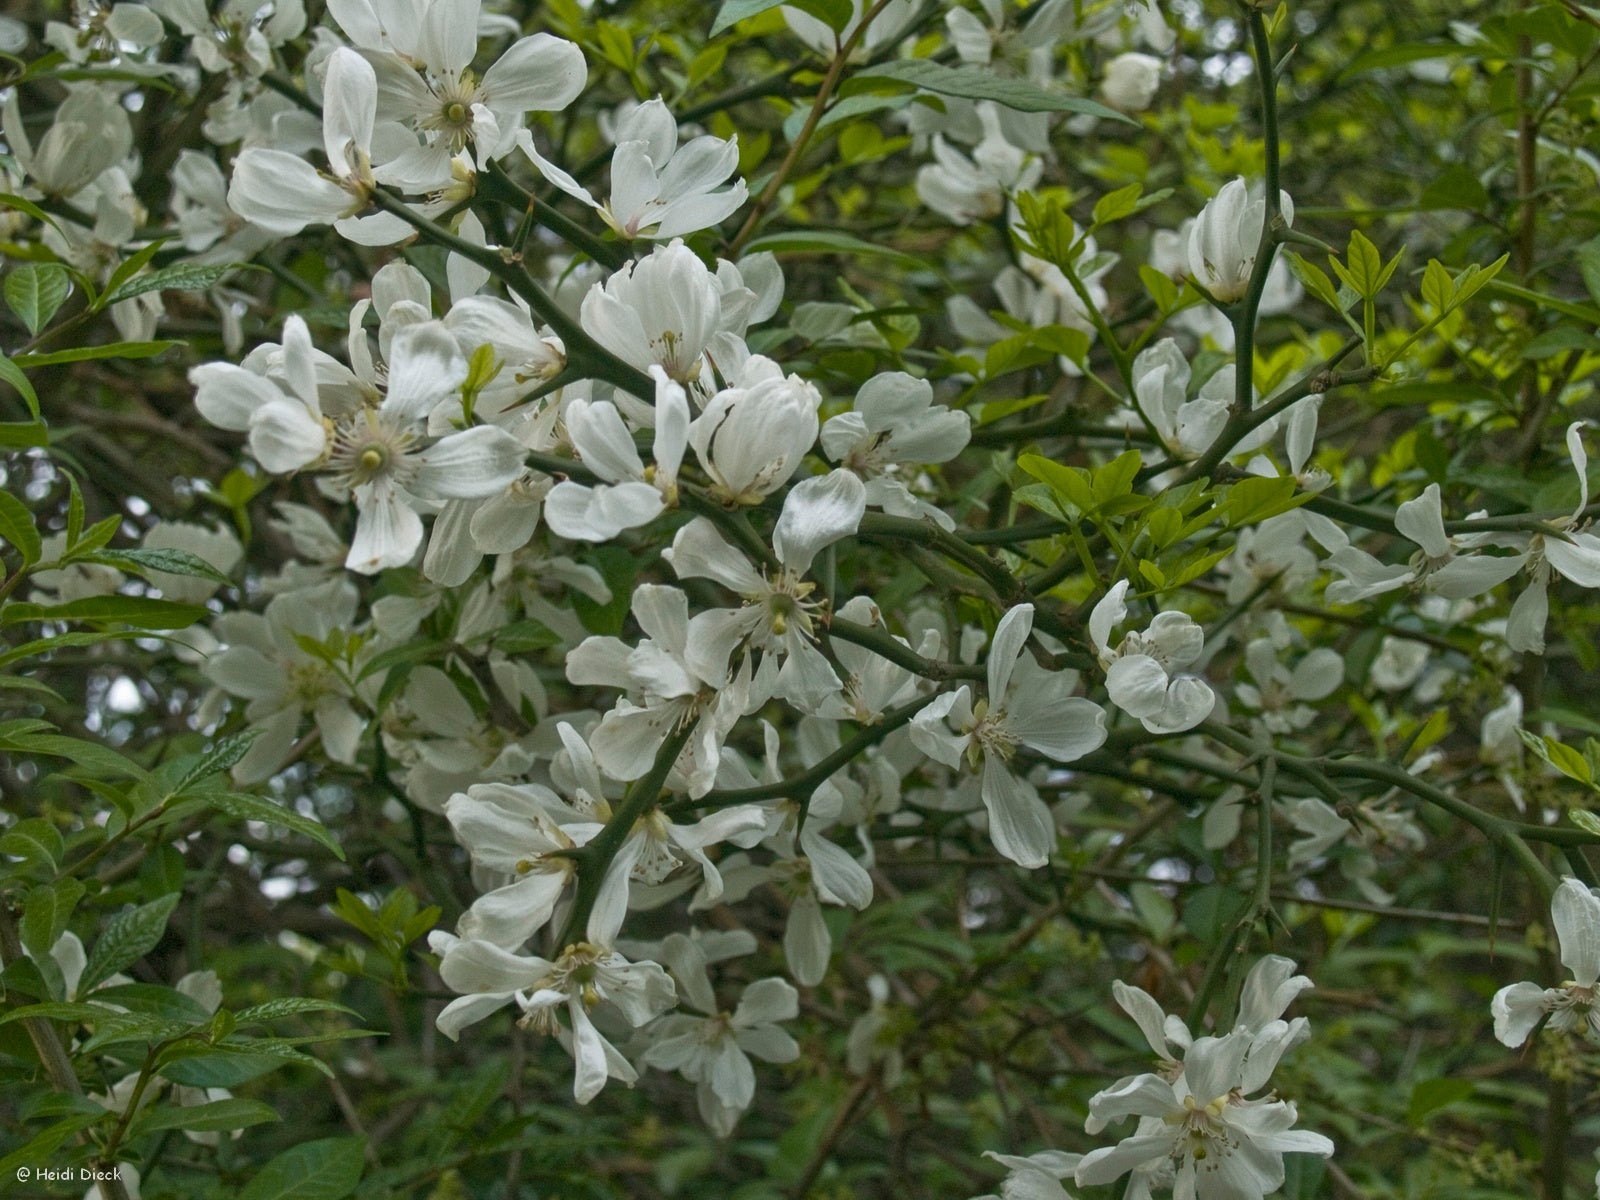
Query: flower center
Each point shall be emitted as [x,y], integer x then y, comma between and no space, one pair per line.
[366,448]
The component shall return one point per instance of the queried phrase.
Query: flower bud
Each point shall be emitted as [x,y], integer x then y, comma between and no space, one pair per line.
[1131,81]
[1226,234]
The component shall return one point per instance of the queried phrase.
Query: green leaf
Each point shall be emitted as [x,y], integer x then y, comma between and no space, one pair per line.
[12,374]
[1584,820]
[126,270]
[34,840]
[46,1142]
[221,756]
[61,642]
[93,756]
[827,241]
[77,1012]
[131,935]
[1254,500]
[45,913]
[328,1169]
[8,200]
[145,563]
[182,277]
[980,83]
[23,435]
[154,1000]
[34,292]
[835,14]
[1316,281]
[17,528]
[1074,485]
[1559,755]
[520,637]
[198,1065]
[1583,312]
[254,808]
[1116,477]
[85,353]
[288,1006]
[221,1115]
[1560,340]
[140,611]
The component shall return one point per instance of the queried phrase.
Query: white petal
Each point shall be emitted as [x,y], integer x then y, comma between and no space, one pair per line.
[1137,685]
[1010,637]
[476,462]
[1422,520]
[471,966]
[349,107]
[536,74]
[426,367]
[806,943]
[1576,913]
[1578,560]
[283,193]
[1516,1010]
[285,437]
[816,513]
[388,532]
[765,1001]
[1019,823]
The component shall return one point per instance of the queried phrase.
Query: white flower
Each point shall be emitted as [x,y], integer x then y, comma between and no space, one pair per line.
[752,437]
[1269,988]
[661,310]
[517,833]
[778,617]
[527,356]
[1131,80]
[282,193]
[1160,389]
[655,847]
[1517,1008]
[888,25]
[376,454]
[1219,1144]
[1141,673]
[238,36]
[208,227]
[1038,293]
[266,663]
[714,1051]
[658,188]
[675,687]
[1225,238]
[1278,694]
[872,684]
[1025,706]
[894,429]
[631,494]
[90,133]
[430,86]
[1575,555]
[1445,564]
[582,978]
[964,190]
[811,870]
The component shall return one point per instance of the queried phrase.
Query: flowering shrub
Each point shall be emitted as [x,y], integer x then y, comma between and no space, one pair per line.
[843,599]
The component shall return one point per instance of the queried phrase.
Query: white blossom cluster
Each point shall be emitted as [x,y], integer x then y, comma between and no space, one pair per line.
[759,717]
